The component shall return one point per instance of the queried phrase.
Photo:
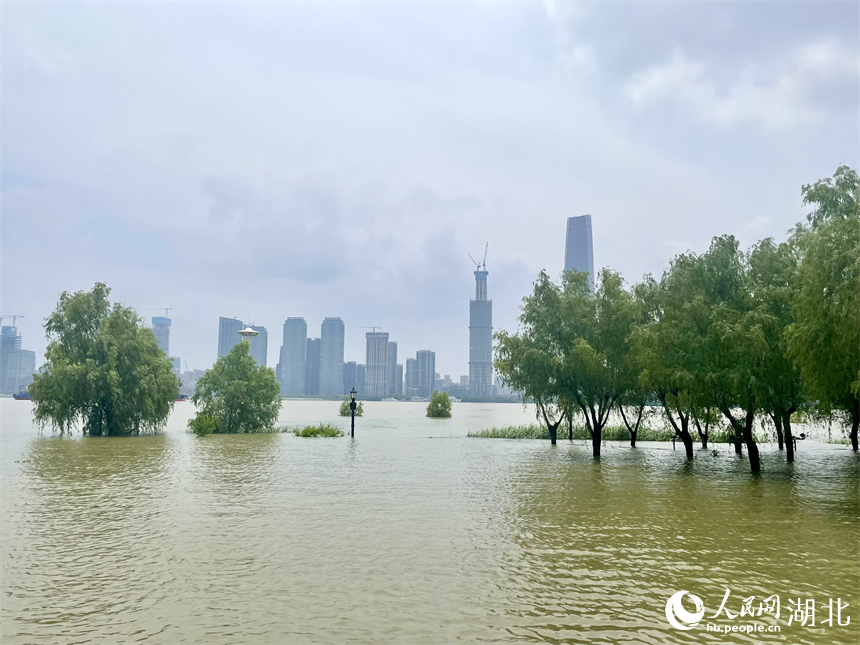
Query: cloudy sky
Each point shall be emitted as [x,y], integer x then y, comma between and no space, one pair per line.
[267,160]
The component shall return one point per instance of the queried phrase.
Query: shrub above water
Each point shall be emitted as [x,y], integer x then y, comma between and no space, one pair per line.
[439,406]
[345,411]
[321,430]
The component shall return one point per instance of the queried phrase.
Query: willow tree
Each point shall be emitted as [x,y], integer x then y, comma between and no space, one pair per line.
[530,361]
[824,340]
[103,369]
[236,395]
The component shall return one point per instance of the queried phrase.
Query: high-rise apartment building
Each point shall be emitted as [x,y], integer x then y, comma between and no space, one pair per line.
[161,331]
[410,387]
[312,367]
[392,367]
[578,248]
[20,367]
[398,381]
[331,357]
[259,349]
[228,334]
[10,341]
[480,338]
[377,366]
[291,363]
[425,366]
[360,373]
[349,377]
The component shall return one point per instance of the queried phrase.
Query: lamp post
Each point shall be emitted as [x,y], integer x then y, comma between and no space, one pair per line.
[248,333]
[352,394]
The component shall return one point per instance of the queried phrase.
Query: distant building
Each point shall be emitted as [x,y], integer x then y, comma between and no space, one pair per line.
[360,374]
[331,357]
[398,381]
[480,338]
[377,366]
[579,249]
[176,362]
[426,371]
[392,367]
[312,367]
[161,331]
[410,387]
[349,377]
[291,363]
[20,367]
[228,334]
[464,381]
[259,349]
[10,341]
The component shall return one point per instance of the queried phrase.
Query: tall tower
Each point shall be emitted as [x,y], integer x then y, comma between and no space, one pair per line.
[481,337]
[161,331]
[331,357]
[578,248]
[377,367]
[291,366]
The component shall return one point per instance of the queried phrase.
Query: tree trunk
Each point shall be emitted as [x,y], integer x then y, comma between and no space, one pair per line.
[855,423]
[738,444]
[777,421]
[789,440]
[570,427]
[687,439]
[633,434]
[752,447]
[596,436]
[553,433]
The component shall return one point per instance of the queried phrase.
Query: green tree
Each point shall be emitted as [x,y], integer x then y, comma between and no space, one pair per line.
[237,394]
[439,406]
[346,412]
[824,340]
[772,279]
[103,369]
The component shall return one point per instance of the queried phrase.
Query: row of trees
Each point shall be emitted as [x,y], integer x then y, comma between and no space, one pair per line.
[724,334]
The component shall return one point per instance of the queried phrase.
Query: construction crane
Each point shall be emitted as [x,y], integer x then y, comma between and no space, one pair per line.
[14,317]
[373,328]
[166,310]
[478,265]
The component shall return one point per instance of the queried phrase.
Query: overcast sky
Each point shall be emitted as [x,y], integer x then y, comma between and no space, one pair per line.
[341,159]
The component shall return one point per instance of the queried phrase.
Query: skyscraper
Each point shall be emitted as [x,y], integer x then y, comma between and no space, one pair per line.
[578,248]
[481,338]
[228,334]
[425,367]
[410,387]
[392,367]
[20,367]
[360,372]
[9,342]
[349,381]
[331,357]
[312,368]
[259,349]
[377,367]
[161,331]
[398,380]
[291,364]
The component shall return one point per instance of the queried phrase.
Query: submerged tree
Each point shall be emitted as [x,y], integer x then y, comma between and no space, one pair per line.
[824,340]
[236,395]
[103,369]
[439,406]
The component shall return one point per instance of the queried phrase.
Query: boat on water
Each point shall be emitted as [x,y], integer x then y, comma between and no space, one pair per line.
[22,394]
[182,397]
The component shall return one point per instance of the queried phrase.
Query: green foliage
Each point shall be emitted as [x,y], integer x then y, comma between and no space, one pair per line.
[346,412]
[202,425]
[321,430]
[580,433]
[238,394]
[439,406]
[824,340]
[103,369]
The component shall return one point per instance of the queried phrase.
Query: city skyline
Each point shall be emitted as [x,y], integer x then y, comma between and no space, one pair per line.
[217,203]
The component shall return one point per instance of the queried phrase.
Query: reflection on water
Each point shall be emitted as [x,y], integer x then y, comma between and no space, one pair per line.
[411,533]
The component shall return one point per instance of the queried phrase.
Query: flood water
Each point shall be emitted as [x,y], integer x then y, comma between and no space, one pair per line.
[411,533]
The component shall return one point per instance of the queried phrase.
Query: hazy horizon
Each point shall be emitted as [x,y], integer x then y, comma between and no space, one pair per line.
[263,161]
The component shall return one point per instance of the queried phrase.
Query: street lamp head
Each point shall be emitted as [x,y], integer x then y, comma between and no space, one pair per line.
[352,394]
